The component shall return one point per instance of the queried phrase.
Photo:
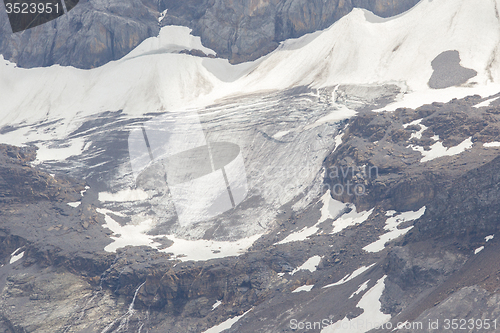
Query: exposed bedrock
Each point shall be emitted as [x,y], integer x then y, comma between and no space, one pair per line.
[98,31]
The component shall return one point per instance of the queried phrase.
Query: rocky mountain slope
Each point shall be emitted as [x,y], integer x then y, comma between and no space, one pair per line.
[426,273]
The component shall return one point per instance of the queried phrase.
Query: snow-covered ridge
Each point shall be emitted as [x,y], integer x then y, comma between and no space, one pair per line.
[358,49]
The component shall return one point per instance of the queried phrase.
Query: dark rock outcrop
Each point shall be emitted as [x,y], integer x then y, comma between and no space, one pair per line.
[90,35]
[19,182]
[448,72]
[248,29]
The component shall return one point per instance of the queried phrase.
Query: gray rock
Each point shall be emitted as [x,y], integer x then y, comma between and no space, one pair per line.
[245,30]
[98,31]
[448,72]
[92,34]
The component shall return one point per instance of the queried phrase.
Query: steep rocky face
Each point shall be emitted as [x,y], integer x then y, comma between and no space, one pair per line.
[248,29]
[90,35]
[19,182]
[96,32]
[397,173]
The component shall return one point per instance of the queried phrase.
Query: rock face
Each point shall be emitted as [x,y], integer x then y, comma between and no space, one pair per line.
[19,182]
[98,31]
[245,30]
[90,35]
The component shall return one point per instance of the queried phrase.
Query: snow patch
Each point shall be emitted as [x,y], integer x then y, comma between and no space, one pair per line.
[216,305]
[438,150]
[310,265]
[488,238]
[349,277]
[362,287]
[417,135]
[15,257]
[371,317]
[338,141]
[303,288]
[82,192]
[299,235]
[391,225]
[124,195]
[350,219]
[225,325]
[342,113]
[162,15]
[331,209]
[171,39]
[50,153]
[280,134]
[128,235]
[135,234]
[491,144]
[74,204]
[479,249]
[390,213]
[486,102]
[201,249]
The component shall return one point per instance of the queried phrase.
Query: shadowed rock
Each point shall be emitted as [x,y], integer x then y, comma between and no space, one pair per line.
[448,72]
[98,31]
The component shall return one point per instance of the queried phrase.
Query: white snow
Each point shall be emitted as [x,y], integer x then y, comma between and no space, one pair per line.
[350,219]
[349,277]
[415,99]
[362,287]
[124,195]
[225,325]
[309,265]
[331,209]
[335,116]
[391,225]
[280,134]
[15,257]
[303,288]
[162,15]
[83,191]
[51,153]
[128,235]
[338,141]
[488,238]
[390,213]
[486,102]
[171,39]
[300,235]
[479,249]
[416,135]
[415,122]
[74,204]
[492,144]
[400,326]
[216,305]
[135,234]
[201,249]
[371,317]
[438,150]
